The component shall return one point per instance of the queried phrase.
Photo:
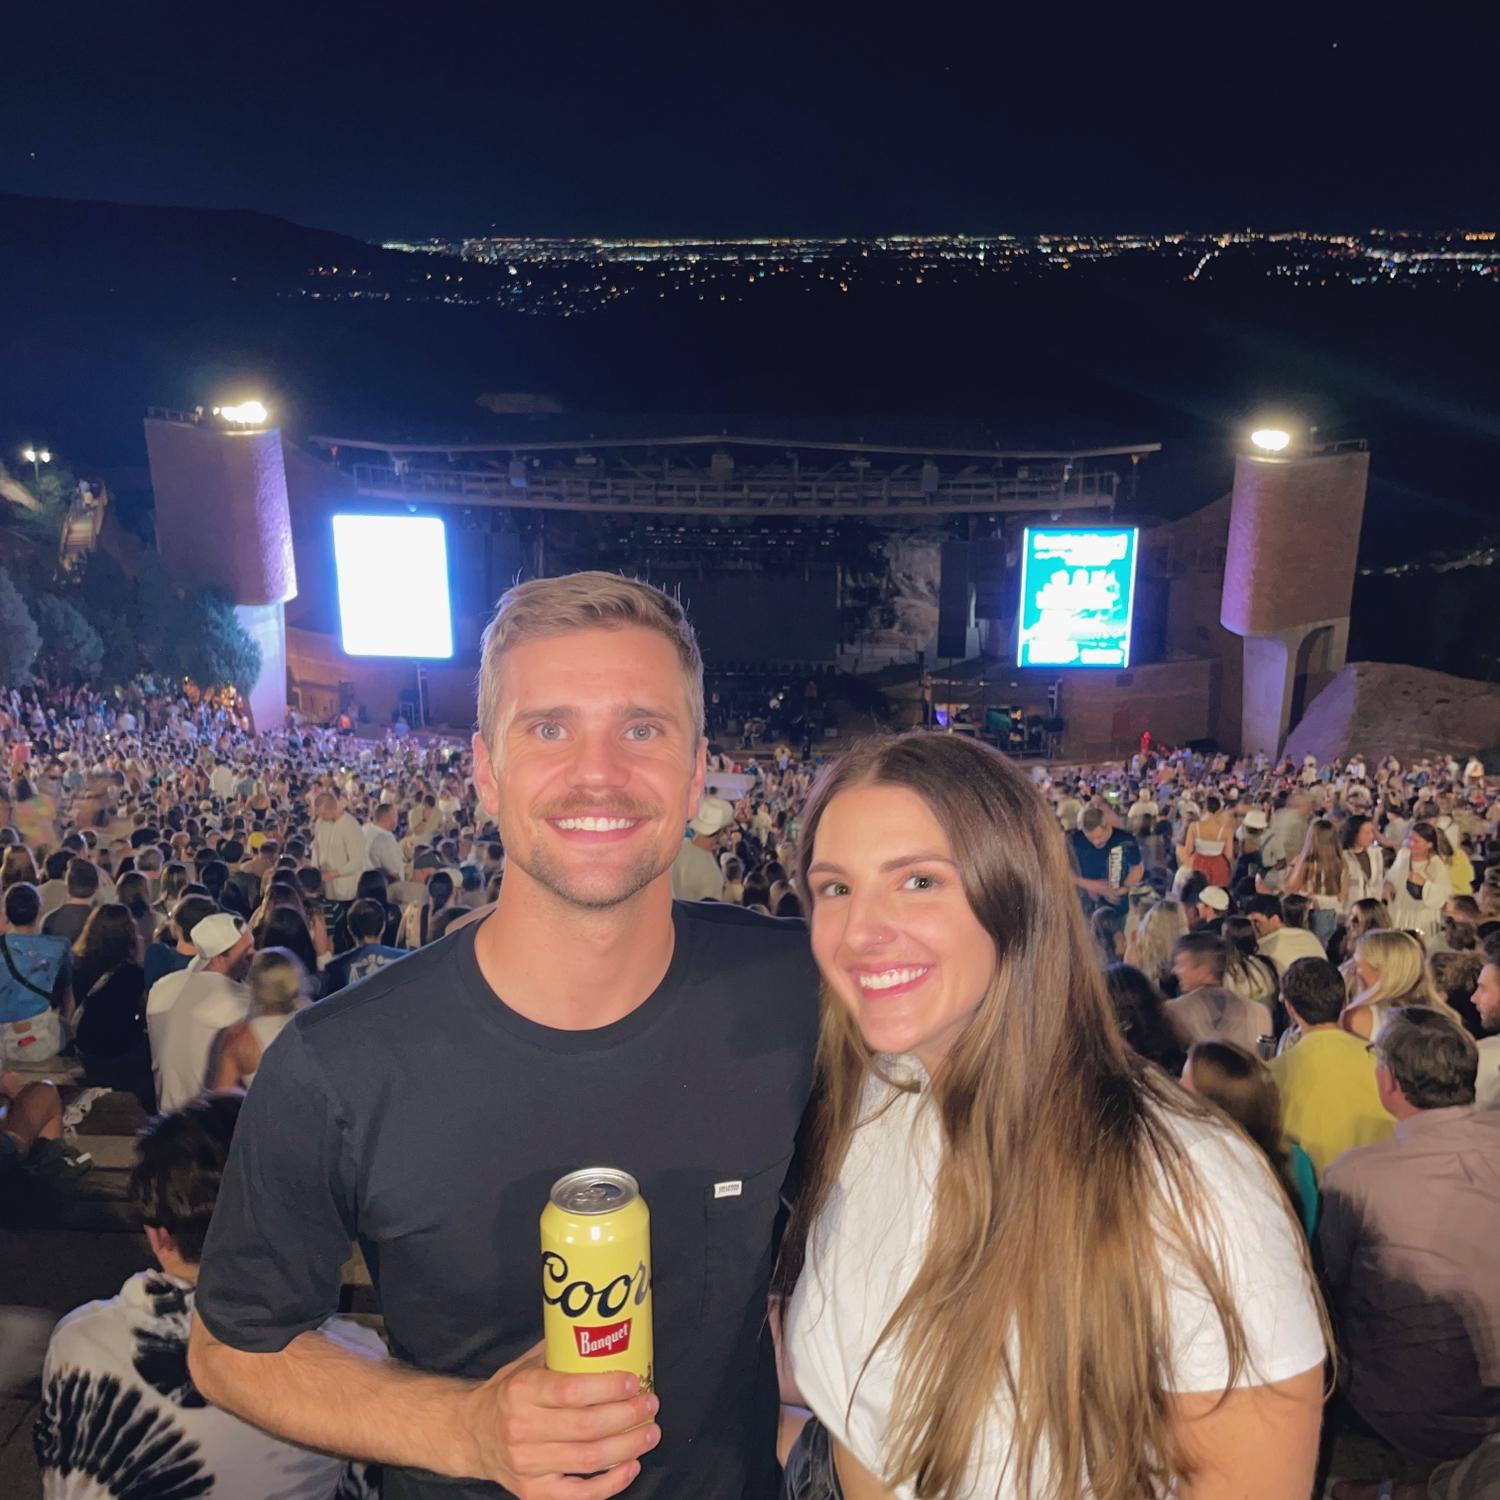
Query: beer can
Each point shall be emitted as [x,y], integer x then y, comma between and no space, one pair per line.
[596,1275]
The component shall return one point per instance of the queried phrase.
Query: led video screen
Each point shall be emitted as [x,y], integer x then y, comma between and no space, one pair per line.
[1077,597]
[393,586]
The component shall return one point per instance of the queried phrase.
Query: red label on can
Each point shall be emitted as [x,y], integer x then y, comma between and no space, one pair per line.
[595,1343]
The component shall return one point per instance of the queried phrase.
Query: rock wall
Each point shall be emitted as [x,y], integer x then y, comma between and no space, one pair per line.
[1379,708]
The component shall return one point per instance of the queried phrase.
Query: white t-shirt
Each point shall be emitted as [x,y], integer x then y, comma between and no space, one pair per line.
[185,1012]
[870,1241]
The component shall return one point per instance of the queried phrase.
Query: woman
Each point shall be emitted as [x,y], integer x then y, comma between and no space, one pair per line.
[134,894]
[109,999]
[417,922]
[1364,860]
[286,927]
[1207,843]
[1319,873]
[169,889]
[1417,886]
[19,868]
[1369,914]
[1096,1221]
[1138,1008]
[1247,973]
[1390,969]
[1149,947]
[1243,1087]
[279,988]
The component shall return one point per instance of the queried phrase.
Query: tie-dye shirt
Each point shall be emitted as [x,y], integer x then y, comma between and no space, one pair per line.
[121,1417]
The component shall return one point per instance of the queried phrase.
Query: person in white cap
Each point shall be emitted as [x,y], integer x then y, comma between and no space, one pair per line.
[696,875]
[185,1012]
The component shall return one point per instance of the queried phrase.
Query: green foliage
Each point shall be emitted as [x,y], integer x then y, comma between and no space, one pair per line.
[53,493]
[72,650]
[118,608]
[20,640]
[218,649]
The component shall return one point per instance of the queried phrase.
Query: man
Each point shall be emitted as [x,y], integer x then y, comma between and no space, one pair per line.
[185,1012]
[36,973]
[1107,862]
[119,1413]
[221,781]
[1204,1010]
[586,1019]
[696,875]
[1279,935]
[68,921]
[1487,1003]
[366,923]
[414,892]
[54,889]
[382,852]
[1410,1238]
[163,958]
[338,849]
[1329,1101]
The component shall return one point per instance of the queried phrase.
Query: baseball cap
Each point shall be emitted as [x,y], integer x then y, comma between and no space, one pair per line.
[714,815]
[1213,896]
[216,934]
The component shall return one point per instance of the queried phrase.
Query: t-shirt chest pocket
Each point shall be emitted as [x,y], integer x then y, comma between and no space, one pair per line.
[739,1215]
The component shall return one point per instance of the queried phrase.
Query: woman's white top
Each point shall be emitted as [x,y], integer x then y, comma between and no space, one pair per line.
[1364,887]
[870,1239]
[265,1030]
[1423,915]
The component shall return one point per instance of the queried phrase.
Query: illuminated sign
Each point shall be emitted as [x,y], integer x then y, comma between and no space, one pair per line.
[393,586]
[1077,597]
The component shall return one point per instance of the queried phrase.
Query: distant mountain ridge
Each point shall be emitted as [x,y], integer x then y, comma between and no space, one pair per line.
[46,240]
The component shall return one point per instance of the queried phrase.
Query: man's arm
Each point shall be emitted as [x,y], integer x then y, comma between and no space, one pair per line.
[525,1428]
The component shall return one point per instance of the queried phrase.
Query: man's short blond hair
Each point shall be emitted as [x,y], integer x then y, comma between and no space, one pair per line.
[584,601]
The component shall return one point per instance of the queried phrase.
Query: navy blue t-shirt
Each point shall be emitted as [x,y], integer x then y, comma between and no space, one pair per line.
[419,1114]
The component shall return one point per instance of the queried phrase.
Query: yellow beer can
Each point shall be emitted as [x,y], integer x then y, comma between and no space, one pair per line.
[596,1275]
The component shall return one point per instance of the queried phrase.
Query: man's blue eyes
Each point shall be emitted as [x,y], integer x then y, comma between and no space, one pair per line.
[552,731]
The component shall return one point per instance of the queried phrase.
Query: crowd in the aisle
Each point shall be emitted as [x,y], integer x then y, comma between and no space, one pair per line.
[1313,950]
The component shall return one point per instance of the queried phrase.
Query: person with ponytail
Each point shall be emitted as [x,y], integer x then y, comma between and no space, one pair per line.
[1024,1263]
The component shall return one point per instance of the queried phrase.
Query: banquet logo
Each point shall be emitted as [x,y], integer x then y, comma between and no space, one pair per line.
[595,1343]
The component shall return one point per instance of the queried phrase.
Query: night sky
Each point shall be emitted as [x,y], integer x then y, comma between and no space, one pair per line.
[653,119]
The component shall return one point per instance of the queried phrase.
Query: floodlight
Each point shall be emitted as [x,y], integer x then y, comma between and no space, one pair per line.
[1271,439]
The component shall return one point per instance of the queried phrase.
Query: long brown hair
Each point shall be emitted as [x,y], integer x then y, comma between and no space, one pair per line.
[1236,1081]
[1063,1191]
[1322,859]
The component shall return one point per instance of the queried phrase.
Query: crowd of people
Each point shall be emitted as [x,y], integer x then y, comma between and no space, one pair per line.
[1238,1023]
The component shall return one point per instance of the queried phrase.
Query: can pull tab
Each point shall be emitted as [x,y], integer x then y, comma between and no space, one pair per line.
[728,1189]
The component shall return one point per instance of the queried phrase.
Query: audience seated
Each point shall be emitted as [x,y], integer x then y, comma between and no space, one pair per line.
[1329,1100]
[109,1000]
[120,1414]
[1204,1010]
[1236,1081]
[368,954]
[187,1011]
[1281,933]
[36,975]
[1410,1243]
[279,987]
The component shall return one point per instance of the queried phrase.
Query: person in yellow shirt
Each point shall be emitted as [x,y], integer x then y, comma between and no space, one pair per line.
[1329,1100]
